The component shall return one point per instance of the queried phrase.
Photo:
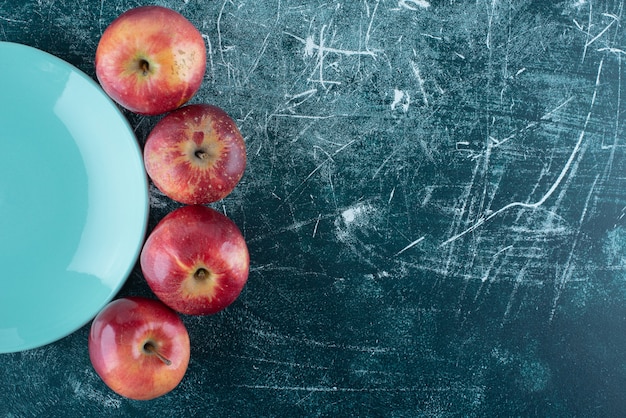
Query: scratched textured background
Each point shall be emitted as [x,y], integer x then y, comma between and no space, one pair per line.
[434,205]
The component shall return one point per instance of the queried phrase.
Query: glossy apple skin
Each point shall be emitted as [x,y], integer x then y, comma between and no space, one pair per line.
[116,347]
[189,240]
[196,154]
[171,46]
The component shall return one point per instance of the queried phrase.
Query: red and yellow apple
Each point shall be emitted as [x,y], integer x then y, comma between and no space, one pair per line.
[195,154]
[151,60]
[196,260]
[139,347]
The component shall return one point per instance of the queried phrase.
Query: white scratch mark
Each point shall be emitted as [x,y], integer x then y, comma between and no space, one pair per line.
[385,161]
[369,26]
[428,35]
[556,109]
[278,11]
[317,117]
[613,50]
[308,177]
[296,100]
[493,262]
[499,142]
[320,50]
[568,269]
[219,31]
[317,223]
[518,280]
[100,19]
[344,147]
[461,144]
[411,245]
[456,224]
[210,56]
[489,23]
[320,53]
[306,94]
[420,80]
[414,4]
[588,32]
[595,38]
[552,188]
[6,19]
[310,46]
[326,388]
[318,168]
[310,49]
[258,58]
[618,111]
[578,25]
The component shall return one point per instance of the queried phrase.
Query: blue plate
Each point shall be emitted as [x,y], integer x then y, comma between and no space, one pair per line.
[73,198]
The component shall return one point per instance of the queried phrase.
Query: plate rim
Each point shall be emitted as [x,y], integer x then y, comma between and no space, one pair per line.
[145,204]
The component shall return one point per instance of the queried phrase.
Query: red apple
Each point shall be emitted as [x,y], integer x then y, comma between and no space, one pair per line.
[196,260]
[196,154]
[151,60]
[139,347]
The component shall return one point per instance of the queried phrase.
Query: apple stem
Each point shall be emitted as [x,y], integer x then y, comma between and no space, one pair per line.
[150,348]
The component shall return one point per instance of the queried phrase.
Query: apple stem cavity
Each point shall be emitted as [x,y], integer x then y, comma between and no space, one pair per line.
[150,348]
[144,66]
[201,274]
[202,154]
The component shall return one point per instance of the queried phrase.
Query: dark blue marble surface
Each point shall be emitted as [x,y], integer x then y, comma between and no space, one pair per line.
[434,205]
